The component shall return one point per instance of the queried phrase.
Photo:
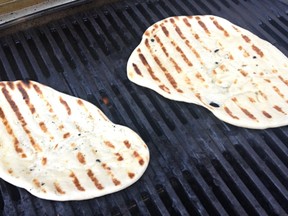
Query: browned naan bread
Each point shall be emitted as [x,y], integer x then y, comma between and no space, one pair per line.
[209,61]
[60,147]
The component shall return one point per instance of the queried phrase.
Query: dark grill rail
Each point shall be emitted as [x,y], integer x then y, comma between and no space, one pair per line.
[199,165]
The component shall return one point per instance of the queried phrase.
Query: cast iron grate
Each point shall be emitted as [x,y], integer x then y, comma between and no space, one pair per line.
[199,165]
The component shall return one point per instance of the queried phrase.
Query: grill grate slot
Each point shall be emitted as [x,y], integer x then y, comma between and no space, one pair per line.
[221,191]
[26,63]
[58,39]
[3,75]
[51,53]
[11,64]
[205,198]
[118,26]
[192,204]
[242,195]
[256,185]
[35,58]
[74,44]
[100,21]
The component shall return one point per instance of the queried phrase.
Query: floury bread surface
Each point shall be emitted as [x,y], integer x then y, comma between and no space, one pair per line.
[60,147]
[209,61]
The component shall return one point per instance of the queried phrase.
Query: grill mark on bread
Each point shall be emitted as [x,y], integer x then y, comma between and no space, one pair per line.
[131,175]
[148,67]
[90,117]
[66,135]
[165,88]
[185,20]
[230,113]
[48,105]
[43,126]
[38,185]
[37,89]
[76,182]
[263,95]
[137,70]
[10,171]
[195,35]
[244,110]
[10,131]
[283,80]
[247,113]
[197,95]
[245,53]
[96,182]
[246,38]
[202,24]
[80,103]
[81,158]
[279,109]
[178,49]
[44,161]
[277,90]
[168,76]
[140,159]
[109,144]
[119,156]
[11,85]
[40,94]
[26,98]
[220,27]
[267,80]
[176,66]
[164,29]
[58,188]
[257,50]
[20,117]
[158,40]
[254,47]
[115,181]
[252,100]
[199,76]
[65,104]
[127,144]
[244,73]
[266,114]
[107,168]
[101,114]
[187,42]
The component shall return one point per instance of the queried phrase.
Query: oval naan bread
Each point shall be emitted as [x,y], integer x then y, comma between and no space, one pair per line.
[60,147]
[209,61]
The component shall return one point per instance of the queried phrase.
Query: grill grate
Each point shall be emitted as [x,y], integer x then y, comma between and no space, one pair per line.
[224,170]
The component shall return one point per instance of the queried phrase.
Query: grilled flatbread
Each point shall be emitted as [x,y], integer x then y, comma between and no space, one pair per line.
[209,61]
[60,147]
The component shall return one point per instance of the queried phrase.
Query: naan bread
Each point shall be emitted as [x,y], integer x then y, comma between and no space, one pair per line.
[60,147]
[209,61]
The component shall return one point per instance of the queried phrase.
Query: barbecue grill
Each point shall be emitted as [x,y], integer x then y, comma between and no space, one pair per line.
[199,164]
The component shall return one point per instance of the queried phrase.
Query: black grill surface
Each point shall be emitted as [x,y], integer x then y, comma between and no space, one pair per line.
[199,165]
